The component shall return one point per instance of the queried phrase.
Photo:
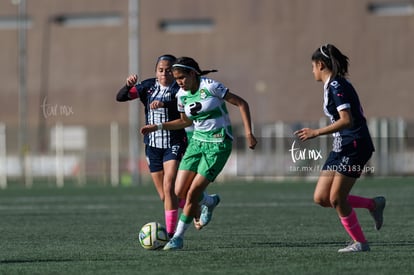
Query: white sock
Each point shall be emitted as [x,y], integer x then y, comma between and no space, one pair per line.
[181,228]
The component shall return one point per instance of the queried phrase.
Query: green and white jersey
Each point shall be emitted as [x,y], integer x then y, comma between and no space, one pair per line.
[207,108]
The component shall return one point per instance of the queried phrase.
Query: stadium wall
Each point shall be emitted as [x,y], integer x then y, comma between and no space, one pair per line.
[77,58]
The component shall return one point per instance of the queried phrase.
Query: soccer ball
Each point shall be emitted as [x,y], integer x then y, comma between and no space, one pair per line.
[152,236]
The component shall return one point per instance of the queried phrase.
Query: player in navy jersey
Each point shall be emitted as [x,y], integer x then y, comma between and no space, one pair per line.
[352,146]
[163,149]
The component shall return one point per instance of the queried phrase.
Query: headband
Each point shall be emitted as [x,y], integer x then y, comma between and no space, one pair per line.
[185,67]
[166,57]
[323,53]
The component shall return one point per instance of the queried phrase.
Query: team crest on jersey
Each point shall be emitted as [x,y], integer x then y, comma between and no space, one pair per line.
[203,94]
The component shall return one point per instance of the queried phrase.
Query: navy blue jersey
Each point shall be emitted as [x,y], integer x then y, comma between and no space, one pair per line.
[148,91]
[339,94]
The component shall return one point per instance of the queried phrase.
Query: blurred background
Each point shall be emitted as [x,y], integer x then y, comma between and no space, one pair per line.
[63,62]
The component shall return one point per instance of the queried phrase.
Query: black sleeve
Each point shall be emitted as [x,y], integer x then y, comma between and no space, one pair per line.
[123,94]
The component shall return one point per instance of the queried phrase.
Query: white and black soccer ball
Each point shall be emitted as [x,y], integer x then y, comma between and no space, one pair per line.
[152,236]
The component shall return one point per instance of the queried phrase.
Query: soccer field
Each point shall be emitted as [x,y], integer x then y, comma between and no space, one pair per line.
[258,228]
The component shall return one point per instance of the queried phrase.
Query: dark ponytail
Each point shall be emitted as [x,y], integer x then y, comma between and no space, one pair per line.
[188,64]
[334,60]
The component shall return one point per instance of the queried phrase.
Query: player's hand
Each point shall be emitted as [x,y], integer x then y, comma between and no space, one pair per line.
[131,80]
[149,129]
[306,133]
[251,141]
[156,104]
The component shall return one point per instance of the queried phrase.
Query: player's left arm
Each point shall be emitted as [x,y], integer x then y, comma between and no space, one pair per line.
[245,114]
[344,121]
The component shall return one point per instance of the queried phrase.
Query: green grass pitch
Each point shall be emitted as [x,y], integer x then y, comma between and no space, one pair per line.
[258,228]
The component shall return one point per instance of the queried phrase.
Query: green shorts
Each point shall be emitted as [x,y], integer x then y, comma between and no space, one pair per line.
[206,158]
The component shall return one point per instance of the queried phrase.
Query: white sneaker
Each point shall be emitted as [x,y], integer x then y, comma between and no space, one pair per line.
[355,247]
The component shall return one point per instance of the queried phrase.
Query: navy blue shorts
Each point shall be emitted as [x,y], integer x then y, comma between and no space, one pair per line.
[350,161]
[157,156]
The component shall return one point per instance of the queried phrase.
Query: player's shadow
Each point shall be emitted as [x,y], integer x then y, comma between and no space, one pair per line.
[26,261]
[318,244]
[34,260]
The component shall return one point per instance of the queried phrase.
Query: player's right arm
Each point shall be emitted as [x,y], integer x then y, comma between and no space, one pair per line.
[177,124]
[344,122]
[128,91]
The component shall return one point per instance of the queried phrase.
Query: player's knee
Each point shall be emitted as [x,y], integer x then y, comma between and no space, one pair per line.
[168,188]
[180,195]
[321,200]
[180,192]
[334,202]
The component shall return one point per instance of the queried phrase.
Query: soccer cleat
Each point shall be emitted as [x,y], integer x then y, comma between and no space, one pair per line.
[377,213]
[355,247]
[174,244]
[207,211]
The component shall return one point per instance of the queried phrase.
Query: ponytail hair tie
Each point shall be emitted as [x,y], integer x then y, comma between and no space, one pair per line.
[323,53]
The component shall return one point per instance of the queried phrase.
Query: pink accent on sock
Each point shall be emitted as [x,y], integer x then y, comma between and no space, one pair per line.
[361,202]
[181,203]
[171,217]
[353,228]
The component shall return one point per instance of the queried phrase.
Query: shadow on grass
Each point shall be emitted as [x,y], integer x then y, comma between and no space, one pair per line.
[26,261]
[29,261]
[318,244]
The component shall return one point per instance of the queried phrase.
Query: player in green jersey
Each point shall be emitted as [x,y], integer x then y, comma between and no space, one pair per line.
[202,103]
